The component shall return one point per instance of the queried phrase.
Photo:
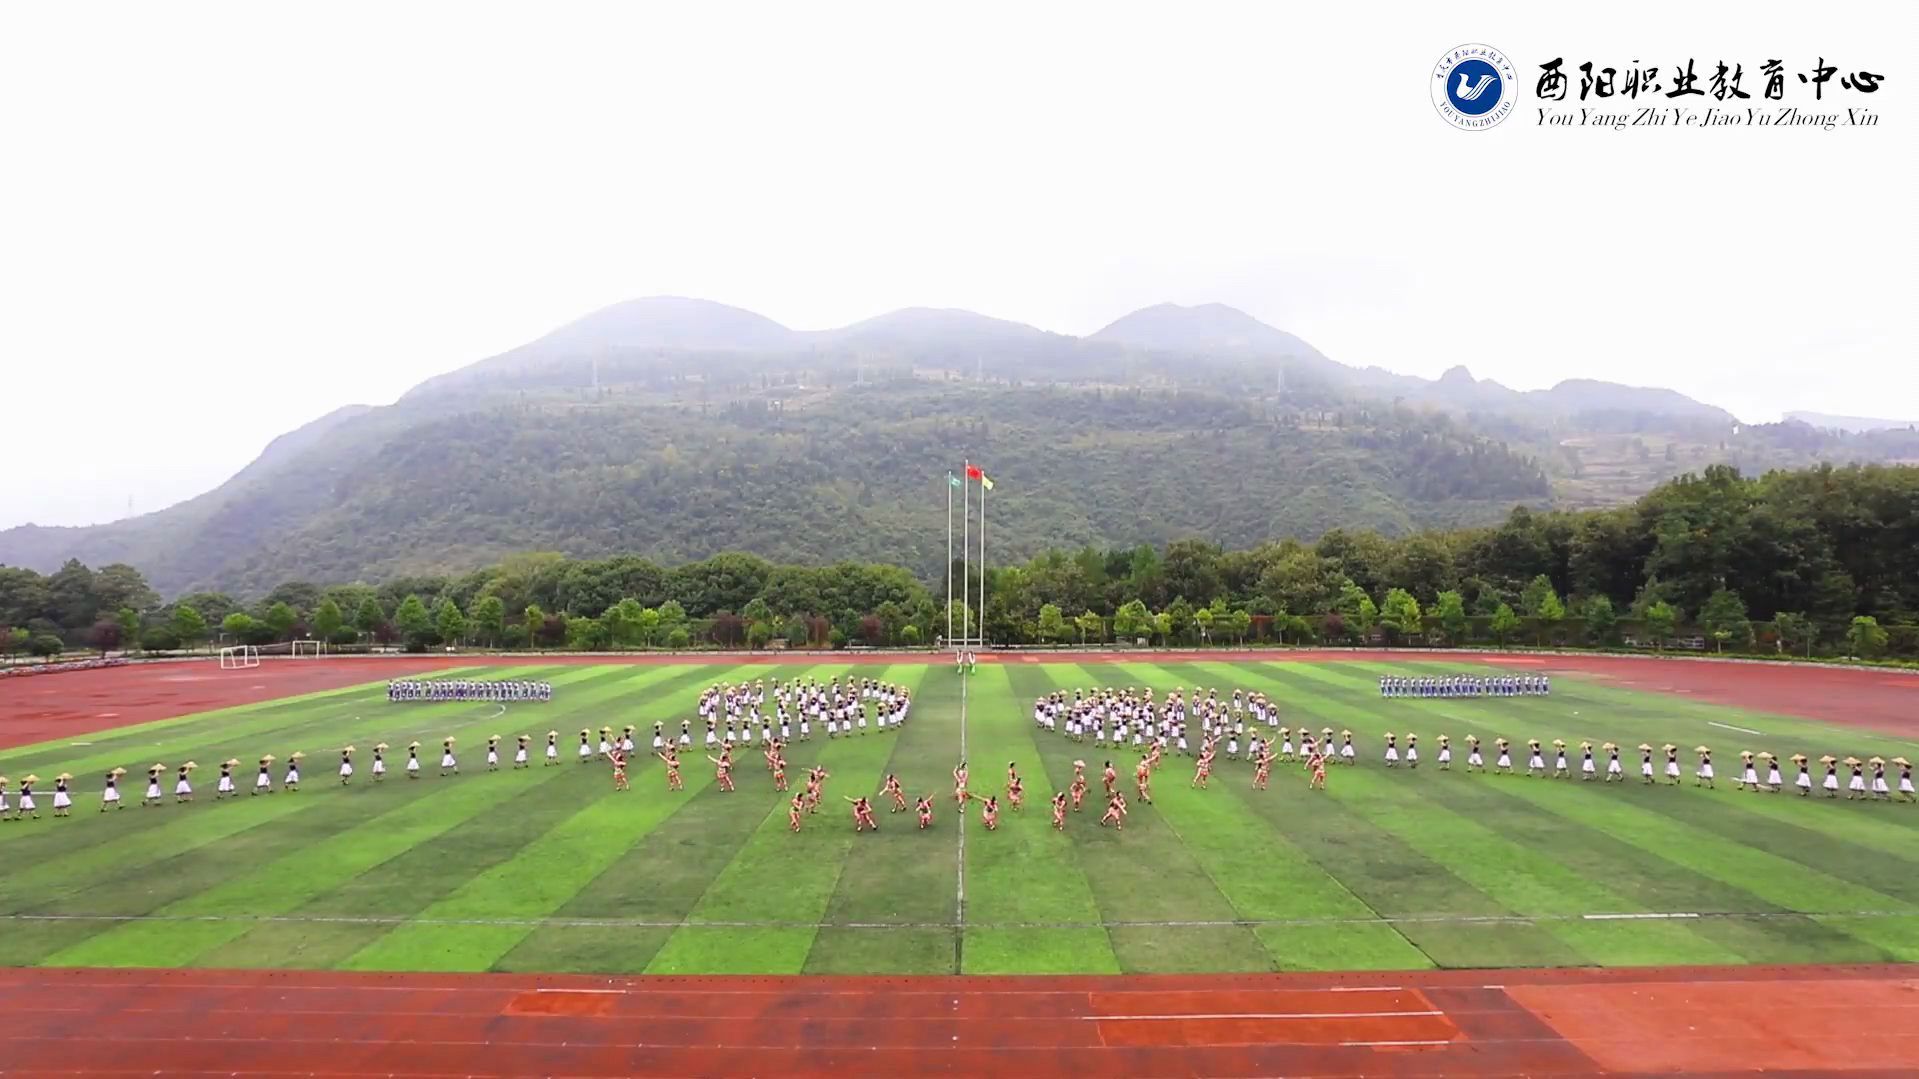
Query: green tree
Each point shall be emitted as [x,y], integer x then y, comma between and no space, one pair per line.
[678,638]
[328,620]
[1865,638]
[648,625]
[622,622]
[1796,632]
[1163,626]
[1052,623]
[1533,600]
[758,633]
[1092,625]
[1724,618]
[535,621]
[1551,613]
[370,617]
[129,620]
[1399,616]
[1661,620]
[960,616]
[1180,619]
[910,634]
[1204,619]
[413,621]
[672,617]
[188,625]
[1505,622]
[1357,610]
[1602,623]
[585,634]
[1451,614]
[280,619]
[489,619]
[45,645]
[1241,622]
[238,626]
[448,622]
[1132,621]
[14,641]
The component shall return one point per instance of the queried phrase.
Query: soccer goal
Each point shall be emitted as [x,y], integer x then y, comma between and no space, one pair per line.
[306,647]
[240,657]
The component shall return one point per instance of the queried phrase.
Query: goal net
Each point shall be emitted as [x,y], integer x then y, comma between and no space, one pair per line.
[239,657]
[309,648]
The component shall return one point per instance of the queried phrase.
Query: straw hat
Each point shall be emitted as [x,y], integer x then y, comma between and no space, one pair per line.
[1559,743]
[296,755]
[1533,742]
[1875,760]
[1388,735]
[413,745]
[189,766]
[584,731]
[63,777]
[268,759]
[1443,739]
[1901,762]
[1701,749]
[1586,743]
[1501,743]
[523,738]
[448,740]
[1798,758]
[234,763]
[1829,759]
[346,749]
[379,747]
[493,739]
[1669,747]
[116,773]
[553,734]
[1767,755]
[1285,731]
[1079,764]
[1745,754]
[29,780]
[1411,737]
[1645,748]
[3,781]
[156,769]
[1854,761]
[1608,747]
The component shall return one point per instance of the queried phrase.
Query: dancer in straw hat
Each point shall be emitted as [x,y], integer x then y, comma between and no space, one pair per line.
[379,761]
[1645,762]
[447,761]
[346,764]
[1412,751]
[62,797]
[226,788]
[492,752]
[1856,786]
[1830,784]
[1445,753]
[413,760]
[27,805]
[1905,778]
[155,796]
[1803,781]
[1703,776]
[552,748]
[263,783]
[586,745]
[183,787]
[109,797]
[1615,773]
[1879,788]
[1672,764]
[1535,760]
[519,750]
[1560,771]
[1587,768]
[1774,780]
[292,780]
[1503,763]
[1748,775]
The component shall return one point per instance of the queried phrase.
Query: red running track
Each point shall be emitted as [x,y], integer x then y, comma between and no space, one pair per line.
[43,707]
[1855,1021]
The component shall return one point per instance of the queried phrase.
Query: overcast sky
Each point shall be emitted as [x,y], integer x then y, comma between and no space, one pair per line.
[222,221]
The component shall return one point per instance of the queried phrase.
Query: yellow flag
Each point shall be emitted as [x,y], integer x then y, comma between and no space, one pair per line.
[986,481]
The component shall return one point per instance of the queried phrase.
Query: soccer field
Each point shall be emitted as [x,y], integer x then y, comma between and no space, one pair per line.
[550,870]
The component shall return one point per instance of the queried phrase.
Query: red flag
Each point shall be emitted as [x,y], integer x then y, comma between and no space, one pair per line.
[973,473]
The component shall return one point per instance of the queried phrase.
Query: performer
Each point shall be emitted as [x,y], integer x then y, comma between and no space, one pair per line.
[723,769]
[1535,761]
[154,795]
[552,748]
[3,796]
[863,814]
[1905,778]
[1830,784]
[1504,762]
[1645,763]
[519,751]
[924,807]
[264,781]
[1059,812]
[109,798]
[1109,777]
[1392,751]
[447,762]
[989,813]
[893,790]
[292,780]
[1316,764]
[1703,777]
[1879,788]
[1412,751]
[1672,764]
[1115,812]
[225,789]
[1803,781]
[1774,780]
[1856,786]
[62,797]
[379,761]
[492,752]
[586,745]
[26,799]
[1748,774]
[1262,769]
[1202,768]
[346,764]
[1347,754]
[1473,758]
[1078,787]
[618,758]
[413,761]
[793,812]
[606,741]
[959,784]
[1560,771]
[671,758]
[1143,781]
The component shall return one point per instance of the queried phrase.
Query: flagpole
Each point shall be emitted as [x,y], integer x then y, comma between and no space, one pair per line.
[982,562]
[949,556]
[966,541]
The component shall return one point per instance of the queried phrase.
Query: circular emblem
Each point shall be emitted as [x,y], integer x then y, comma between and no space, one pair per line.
[1473,87]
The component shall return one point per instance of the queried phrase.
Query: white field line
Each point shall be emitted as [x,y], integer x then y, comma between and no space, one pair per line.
[1272,1015]
[641,923]
[1730,727]
[1356,1045]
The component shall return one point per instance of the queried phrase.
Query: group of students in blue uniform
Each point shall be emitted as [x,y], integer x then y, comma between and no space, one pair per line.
[468,689]
[1468,685]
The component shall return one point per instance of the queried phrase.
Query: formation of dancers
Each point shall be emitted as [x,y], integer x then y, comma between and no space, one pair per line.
[1468,685]
[1246,726]
[468,689]
[839,710]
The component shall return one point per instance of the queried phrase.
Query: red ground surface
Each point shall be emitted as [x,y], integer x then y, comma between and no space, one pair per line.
[1854,1021]
[42,707]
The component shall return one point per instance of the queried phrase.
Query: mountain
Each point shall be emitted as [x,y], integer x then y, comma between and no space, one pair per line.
[1853,424]
[679,428]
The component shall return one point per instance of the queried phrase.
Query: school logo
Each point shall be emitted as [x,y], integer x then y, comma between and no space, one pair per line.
[1473,87]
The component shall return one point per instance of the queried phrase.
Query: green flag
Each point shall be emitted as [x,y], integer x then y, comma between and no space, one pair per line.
[952,480]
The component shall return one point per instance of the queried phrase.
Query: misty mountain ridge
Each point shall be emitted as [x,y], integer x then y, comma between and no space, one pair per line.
[681,427]
[1854,424]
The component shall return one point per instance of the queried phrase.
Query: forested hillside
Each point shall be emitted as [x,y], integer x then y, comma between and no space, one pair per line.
[679,428]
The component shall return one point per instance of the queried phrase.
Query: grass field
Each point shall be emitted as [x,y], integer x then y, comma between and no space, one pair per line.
[549,870]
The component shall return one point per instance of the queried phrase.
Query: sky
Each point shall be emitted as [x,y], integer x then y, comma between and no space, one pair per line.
[222,221]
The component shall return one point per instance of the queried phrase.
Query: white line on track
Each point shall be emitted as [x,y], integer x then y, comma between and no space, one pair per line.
[1366,989]
[1638,917]
[609,992]
[1356,1045]
[1274,1015]
[1730,727]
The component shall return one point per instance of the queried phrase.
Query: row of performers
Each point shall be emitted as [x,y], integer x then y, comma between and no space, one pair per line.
[801,701]
[1468,685]
[1134,714]
[468,689]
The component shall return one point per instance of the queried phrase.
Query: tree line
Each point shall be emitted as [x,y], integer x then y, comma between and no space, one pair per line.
[1822,561]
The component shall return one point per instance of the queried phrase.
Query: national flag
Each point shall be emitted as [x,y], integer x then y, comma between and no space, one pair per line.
[952,480]
[973,473]
[986,481]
